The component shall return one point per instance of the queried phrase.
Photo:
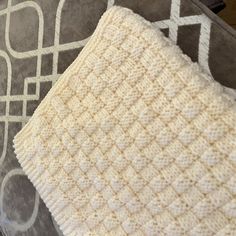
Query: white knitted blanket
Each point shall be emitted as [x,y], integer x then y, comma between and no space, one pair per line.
[134,139]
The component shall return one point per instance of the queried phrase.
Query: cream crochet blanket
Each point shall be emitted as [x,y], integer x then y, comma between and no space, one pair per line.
[134,139]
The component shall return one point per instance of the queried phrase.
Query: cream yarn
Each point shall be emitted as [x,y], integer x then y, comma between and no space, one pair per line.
[134,139]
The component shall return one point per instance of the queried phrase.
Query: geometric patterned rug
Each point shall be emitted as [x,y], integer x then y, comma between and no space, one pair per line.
[39,39]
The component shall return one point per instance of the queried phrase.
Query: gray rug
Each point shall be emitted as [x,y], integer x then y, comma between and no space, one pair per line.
[39,39]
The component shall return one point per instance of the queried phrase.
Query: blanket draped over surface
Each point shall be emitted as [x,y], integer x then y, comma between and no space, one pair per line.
[134,139]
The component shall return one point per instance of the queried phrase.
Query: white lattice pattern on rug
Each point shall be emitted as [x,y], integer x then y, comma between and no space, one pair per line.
[173,23]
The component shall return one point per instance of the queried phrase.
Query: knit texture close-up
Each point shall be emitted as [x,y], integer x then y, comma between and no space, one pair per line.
[134,139]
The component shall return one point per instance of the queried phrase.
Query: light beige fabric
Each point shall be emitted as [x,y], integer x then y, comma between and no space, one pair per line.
[134,139]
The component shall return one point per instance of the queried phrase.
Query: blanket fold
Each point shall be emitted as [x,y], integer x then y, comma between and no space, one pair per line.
[134,139]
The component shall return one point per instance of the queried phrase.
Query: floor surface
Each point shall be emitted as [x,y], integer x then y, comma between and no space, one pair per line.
[229,13]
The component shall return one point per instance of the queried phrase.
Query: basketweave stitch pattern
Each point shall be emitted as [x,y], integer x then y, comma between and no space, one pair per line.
[134,139]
